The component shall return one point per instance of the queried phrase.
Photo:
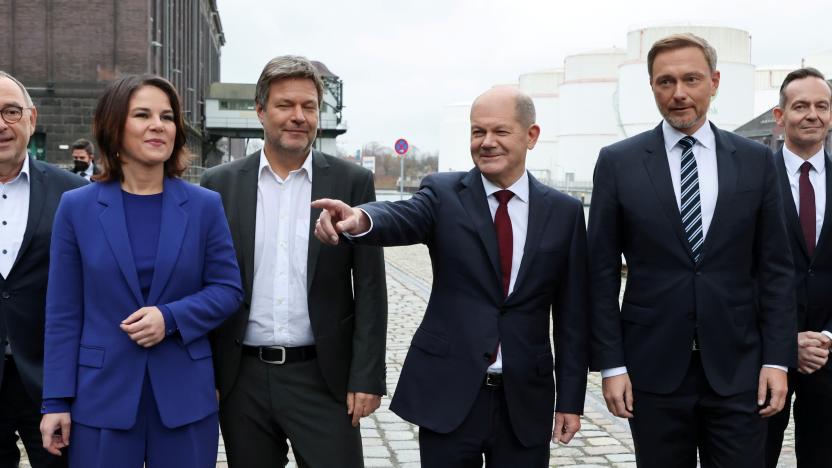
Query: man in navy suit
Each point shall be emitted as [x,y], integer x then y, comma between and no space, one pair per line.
[509,255]
[696,355]
[29,195]
[806,183]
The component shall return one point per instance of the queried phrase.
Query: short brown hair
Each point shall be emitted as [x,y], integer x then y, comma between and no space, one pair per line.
[680,41]
[111,115]
[83,144]
[284,67]
[800,74]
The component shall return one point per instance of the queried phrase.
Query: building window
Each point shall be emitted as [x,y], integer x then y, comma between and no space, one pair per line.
[234,104]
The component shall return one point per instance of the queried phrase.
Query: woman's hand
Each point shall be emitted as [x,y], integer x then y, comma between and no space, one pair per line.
[145,326]
[54,432]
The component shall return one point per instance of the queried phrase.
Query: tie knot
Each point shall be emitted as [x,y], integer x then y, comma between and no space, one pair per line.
[503,196]
[687,142]
[805,168]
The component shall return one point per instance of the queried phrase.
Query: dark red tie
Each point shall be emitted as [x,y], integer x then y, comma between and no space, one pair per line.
[807,207]
[505,241]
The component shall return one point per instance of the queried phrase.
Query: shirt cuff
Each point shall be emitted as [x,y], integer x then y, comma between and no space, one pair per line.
[827,333]
[170,323]
[613,372]
[54,405]
[772,366]
[351,236]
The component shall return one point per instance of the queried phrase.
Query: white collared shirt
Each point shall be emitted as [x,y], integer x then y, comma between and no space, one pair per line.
[704,151]
[14,213]
[817,176]
[279,308]
[518,212]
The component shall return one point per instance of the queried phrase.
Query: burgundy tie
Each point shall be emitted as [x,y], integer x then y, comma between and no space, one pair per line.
[505,241]
[807,208]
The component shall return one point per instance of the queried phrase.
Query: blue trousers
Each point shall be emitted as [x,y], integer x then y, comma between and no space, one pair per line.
[148,443]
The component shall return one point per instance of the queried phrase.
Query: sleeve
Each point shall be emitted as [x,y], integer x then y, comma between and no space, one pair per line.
[367,368]
[607,344]
[571,326]
[64,307]
[197,314]
[775,270]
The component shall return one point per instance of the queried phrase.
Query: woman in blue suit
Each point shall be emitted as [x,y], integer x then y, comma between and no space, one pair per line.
[142,269]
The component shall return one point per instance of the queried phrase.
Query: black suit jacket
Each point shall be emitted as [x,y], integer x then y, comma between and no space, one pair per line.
[23,293]
[347,292]
[739,298]
[467,313]
[813,275]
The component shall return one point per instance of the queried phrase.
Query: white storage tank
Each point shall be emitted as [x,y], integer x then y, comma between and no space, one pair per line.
[820,60]
[767,83]
[542,87]
[455,137]
[734,102]
[588,119]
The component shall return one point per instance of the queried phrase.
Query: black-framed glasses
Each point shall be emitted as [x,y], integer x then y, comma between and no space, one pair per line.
[12,114]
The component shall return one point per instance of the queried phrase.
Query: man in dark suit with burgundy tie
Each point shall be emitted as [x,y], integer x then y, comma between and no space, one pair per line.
[806,183]
[697,353]
[508,257]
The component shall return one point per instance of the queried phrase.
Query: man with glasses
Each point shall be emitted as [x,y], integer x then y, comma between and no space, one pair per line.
[29,194]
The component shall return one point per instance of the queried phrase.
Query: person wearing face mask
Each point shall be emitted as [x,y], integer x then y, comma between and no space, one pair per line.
[128,378]
[83,157]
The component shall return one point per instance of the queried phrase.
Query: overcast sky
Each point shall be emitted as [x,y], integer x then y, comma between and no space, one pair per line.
[402,61]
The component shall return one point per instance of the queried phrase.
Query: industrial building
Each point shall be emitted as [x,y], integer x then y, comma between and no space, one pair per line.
[67,52]
[599,97]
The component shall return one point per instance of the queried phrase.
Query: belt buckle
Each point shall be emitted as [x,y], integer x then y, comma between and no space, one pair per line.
[279,361]
[492,380]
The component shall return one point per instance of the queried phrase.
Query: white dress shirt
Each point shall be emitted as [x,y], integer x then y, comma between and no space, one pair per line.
[279,309]
[518,212]
[14,212]
[704,151]
[817,177]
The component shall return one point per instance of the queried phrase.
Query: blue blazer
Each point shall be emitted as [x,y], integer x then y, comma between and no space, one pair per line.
[93,286]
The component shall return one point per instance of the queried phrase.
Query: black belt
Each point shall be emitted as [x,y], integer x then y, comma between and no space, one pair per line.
[493,380]
[280,354]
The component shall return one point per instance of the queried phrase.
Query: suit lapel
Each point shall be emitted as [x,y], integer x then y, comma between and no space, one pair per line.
[474,200]
[321,188]
[174,223]
[537,222]
[114,225]
[727,167]
[244,222]
[792,219]
[658,169]
[38,186]
[827,211]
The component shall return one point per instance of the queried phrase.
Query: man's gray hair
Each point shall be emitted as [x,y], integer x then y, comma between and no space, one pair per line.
[284,67]
[526,115]
[26,98]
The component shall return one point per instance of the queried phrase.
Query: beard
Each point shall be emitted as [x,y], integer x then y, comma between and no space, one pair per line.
[682,123]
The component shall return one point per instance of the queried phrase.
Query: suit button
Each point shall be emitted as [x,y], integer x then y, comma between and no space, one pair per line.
[237,342]
[487,356]
[811,272]
[5,295]
[698,273]
[503,311]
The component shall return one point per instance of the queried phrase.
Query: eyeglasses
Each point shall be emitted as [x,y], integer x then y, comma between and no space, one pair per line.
[12,114]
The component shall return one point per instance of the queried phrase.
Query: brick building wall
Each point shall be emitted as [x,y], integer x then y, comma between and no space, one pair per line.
[66,52]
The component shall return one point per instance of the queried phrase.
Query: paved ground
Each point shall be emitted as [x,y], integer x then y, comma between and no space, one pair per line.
[604,440]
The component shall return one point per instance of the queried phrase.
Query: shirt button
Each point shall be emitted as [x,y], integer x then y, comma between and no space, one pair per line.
[4,223]
[4,251]
[4,196]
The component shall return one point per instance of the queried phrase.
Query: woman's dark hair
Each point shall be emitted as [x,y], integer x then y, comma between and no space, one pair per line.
[111,115]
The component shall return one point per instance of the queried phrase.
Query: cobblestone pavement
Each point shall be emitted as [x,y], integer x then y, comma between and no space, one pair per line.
[604,440]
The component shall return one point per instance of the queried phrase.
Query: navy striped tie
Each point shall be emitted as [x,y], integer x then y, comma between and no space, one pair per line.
[691,209]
